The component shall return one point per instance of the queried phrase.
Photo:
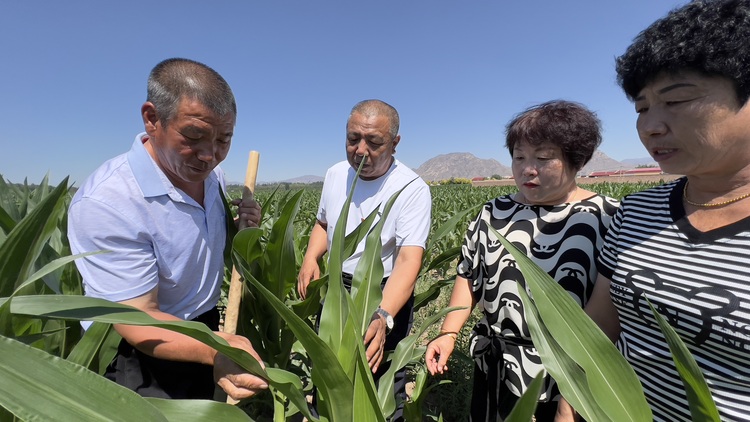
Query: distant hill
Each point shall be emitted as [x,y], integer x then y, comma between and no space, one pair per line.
[601,161]
[460,164]
[304,179]
[466,165]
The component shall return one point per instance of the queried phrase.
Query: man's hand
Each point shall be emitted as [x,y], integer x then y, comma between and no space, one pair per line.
[438,352]
[375,342]
[308,272]
[235,381]
[316,248]
[248,212]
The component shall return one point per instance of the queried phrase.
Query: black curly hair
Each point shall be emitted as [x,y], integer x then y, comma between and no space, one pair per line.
[711,37]
[571,126]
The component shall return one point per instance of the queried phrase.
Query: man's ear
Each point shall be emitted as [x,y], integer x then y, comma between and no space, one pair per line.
[150,117]
[395,142]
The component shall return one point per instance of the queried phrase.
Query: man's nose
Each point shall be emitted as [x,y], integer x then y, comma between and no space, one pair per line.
[362,149]
[206,151]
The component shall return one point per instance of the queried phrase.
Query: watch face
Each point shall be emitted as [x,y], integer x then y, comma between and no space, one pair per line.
[388,318]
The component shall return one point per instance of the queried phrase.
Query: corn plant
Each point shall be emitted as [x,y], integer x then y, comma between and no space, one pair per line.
[45,355]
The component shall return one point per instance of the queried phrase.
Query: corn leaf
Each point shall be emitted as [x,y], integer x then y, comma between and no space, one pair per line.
[365,399]
[197,410]
[572,380]
[86,349]
[403,355]
[280,264]
[35,385]
[611,379]
[524,409]
[25,242]
[335,308]
[432,293]
[702,405]
[328,376]
[369,271]
[450,225]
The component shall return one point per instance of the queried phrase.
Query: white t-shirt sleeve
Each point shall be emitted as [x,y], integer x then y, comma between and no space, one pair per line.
[415,215]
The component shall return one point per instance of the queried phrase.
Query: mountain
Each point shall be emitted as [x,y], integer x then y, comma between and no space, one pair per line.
[304,179]
[468,166]
[601,161]
[460,164]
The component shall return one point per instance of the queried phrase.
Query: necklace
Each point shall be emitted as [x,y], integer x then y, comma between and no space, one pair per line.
[710,204]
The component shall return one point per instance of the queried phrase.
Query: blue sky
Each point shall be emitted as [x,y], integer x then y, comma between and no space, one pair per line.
[73,74]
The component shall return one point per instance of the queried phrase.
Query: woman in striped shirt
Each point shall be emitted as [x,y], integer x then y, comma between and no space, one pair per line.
[685,245]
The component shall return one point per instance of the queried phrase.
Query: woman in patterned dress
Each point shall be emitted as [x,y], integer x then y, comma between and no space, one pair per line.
[685,245]
[559,225]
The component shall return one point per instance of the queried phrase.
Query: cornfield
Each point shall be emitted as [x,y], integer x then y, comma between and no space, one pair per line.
[45,354]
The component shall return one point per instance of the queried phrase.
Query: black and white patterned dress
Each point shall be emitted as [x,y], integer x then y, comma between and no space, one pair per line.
[564,240]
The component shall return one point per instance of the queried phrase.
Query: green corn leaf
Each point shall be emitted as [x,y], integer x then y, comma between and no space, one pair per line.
[358,234]
[35,385]
[279,264]
[572,380]
[523,411]
[444,258]
[432,293]
[450,225]
[369,271]
[401,357]
[335,308]
[86,349]
[7,223]
[247,244]
[197,410]
[333,385]
[25,242]
[702,405]
[611,379]
[83,308]
[413,407]
[49,268]
[365,398]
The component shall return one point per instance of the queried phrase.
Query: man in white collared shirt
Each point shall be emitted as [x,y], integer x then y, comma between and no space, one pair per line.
[158,209]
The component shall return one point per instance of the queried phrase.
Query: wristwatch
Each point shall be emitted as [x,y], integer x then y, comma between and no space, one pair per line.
[388,319]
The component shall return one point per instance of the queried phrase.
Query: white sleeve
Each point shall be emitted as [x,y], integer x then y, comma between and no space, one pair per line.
[415,215]
[129,269]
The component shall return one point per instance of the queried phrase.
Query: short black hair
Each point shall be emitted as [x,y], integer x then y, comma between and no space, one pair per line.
[711,37]
[571,126]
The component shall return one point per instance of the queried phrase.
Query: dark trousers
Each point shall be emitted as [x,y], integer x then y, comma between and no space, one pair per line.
[490,406]
[152,377]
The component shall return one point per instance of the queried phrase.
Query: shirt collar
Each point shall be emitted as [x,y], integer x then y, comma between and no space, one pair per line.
[151,179]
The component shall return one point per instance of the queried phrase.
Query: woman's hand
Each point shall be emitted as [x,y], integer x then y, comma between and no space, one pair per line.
[438,352]
[565,412]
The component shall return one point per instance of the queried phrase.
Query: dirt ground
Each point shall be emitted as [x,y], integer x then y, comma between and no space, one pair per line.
[590,180]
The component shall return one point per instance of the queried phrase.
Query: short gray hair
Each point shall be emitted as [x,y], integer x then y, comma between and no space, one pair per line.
[174,79]
[378,108]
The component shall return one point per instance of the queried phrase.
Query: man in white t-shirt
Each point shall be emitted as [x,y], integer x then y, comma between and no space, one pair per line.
[372,131]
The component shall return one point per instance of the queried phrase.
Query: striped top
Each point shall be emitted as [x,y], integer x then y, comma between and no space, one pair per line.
[698,281]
